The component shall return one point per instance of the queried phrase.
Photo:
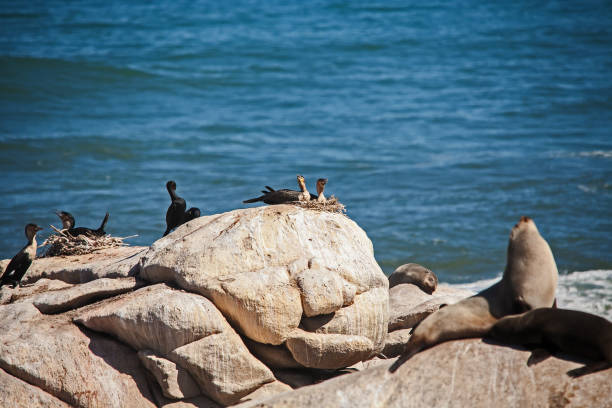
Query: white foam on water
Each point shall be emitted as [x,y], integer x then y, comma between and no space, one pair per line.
[587,291]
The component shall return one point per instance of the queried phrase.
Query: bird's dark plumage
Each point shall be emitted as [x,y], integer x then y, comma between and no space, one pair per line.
[280,196]
[20,263]
[68,223]
[176,211]
[191,214]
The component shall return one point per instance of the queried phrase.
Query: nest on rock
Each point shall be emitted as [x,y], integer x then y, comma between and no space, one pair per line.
[330,205]
[64,244]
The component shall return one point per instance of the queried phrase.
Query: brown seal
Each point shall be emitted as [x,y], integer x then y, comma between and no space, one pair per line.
[570,331]
[529,281]
[417,275]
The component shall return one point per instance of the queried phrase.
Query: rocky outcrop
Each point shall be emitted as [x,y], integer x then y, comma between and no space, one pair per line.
[61,300]
[82,369]
[322,263]
[115,262]
[408,304]
[459,373]
[186,329]
[174,381]
[14,392]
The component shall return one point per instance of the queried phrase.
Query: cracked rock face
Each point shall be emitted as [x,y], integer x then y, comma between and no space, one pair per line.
[462,373]
[186,329]
[269,268]
[53,354]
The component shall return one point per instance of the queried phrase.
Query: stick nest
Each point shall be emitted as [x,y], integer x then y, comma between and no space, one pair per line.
[64,244]
[330,205]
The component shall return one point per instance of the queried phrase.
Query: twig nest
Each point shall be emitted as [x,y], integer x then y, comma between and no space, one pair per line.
[64,244]
[330,205]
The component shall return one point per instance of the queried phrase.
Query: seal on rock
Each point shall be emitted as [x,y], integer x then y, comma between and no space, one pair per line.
[416,274]
[570,331]
[529,282]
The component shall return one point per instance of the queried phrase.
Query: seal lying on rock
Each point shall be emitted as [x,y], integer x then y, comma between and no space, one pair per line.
[417,275]
[570,331]
[529,282]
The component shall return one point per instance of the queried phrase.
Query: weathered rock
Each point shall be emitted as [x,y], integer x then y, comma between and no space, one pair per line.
[242,260]
[264,392]
[361,318]
[14,392]
[26,292]
[408,304]
[395,342]
[80,369]
[222,366]
[324,291]
[106,263]
[174,381]
[58,301]
[251,301]
[200,401]
[155,318]
[458,374]
[330,351]
[187,329]
[415,274]
[272,356]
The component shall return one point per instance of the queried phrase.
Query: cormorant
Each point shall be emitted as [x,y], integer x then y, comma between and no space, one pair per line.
[21,262]
[320,187]
[190,214]
[176,211]
[68,223]
[284,195]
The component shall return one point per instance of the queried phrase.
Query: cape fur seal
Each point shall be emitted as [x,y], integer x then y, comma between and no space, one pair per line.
[529,282]
[570,331]
[417,275]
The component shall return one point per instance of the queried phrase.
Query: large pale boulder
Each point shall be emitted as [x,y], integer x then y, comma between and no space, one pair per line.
[26,292]
[266,267]
[14,392]
[361,318]
[78,295]
[106,263]
[329,351]
[222,366]
[186,329]
[408,304]
[464,373]
[81,369]
[156,318]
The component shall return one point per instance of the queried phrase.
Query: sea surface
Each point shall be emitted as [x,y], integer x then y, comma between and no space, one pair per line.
[438,124]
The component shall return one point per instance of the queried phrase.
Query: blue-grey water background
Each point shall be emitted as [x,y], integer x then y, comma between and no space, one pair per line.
[438,124]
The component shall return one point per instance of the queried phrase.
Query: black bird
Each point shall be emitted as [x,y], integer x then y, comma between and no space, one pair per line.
[176,211]
[284,195]
[68,223]
[21,262]
[191,214]
[320,188]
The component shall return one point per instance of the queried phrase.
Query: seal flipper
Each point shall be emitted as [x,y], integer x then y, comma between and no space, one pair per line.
[537,356]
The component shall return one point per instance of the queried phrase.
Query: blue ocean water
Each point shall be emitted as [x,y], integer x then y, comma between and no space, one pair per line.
[438,124]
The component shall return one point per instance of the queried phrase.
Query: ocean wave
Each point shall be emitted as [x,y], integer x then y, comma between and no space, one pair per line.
[588,291]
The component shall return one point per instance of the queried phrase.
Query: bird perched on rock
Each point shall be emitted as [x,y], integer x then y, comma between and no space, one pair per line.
[176,214]
[20,263]
[68,224]
[320,188]
[283,195]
